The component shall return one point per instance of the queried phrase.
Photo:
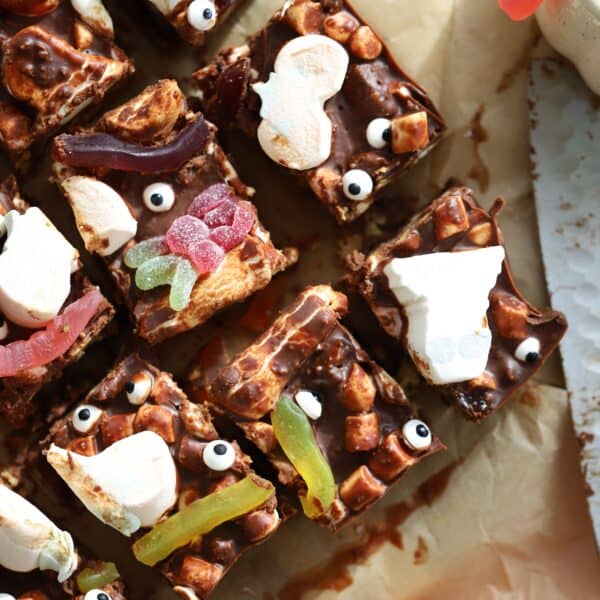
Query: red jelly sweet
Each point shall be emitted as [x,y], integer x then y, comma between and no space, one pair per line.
[209,199]
[519,9]
[206,256]
[184,233]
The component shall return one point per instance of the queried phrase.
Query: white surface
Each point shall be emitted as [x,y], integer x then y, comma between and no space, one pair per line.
[30,541]
[573,28]
[129,485]
[295,130]
[103,219]
[35,269]
[565,136]
[445,296]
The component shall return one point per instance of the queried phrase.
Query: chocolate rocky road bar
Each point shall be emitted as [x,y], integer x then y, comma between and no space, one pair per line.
[194,20]
[154,194]
[149,463]
[57,57]
[326,101]
[444,287]
[336,427]
[49,312]
[38,561]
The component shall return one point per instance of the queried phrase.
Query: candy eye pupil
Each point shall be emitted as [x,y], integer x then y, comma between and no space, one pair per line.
[156,199]
[103,596]
[387,134]
[354,189]
[220,449]
[207,14]
[84,414]
[422,431]
[2,321]
[532,357]
[129,387]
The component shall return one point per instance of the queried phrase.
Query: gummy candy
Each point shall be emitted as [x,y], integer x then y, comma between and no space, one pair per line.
[144,251]
[209,199]
[182,285]
[89,579]
[156,272]
[519,10]
[184,233]
[297,440]
[200,517]
[206,256]
[222,215]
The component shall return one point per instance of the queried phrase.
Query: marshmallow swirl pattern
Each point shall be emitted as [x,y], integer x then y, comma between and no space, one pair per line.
[296,131]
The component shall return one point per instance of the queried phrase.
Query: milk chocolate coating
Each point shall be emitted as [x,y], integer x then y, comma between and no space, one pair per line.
[51,67]
[420,237]
[372,89]
[246,268]
[17,393]
[308,349]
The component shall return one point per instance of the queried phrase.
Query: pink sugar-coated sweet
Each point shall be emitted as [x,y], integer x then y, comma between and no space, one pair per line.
[206,256]
[229,237]
[209,199]
[222,215]
[518,10]
[184,233]
[49,344]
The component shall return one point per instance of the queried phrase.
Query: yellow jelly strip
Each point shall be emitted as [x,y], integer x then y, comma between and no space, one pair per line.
[295,436]
[90,579]
[199,518]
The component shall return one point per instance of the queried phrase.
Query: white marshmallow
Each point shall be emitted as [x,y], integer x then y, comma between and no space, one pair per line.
[102,217]
[309,403]
[129,485]
[7,597]
[445,297]
[295,131]
[30,541]
[95,15]
[35,269]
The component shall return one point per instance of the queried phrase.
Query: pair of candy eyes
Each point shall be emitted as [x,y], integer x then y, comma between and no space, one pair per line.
[415,433]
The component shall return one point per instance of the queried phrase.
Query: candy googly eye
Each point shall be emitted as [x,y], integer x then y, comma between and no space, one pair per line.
[202,15]
[85,418]
[97,595]
[219,455]
[309,403]
[417,435]
[357,184]
[528,350]
[379,133]
[3,330]
[139,388]
[7,597]
[159,197]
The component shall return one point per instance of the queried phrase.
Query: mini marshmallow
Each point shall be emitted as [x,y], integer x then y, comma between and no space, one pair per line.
[129,485]
[309,403]
[102,217]
[95,15]
[445,297]
[30,541]
[35,269]
[295,131]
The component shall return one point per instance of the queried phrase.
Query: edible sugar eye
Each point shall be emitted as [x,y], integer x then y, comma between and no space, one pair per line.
[357,184]
[97,595]
[3,328]
[159,197]
[417,435]
[528,350]
[85,418]
[139,388]
[379,133]
[202,15]
[219,455]
[309,403]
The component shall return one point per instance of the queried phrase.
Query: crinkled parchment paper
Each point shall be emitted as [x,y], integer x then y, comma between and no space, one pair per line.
[502,514]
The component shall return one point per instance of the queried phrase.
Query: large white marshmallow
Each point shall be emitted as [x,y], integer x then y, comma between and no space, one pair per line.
[103,219]
[296,131]
[95,15]
[445,297]
[30,541]
[129,485]
[35,269]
